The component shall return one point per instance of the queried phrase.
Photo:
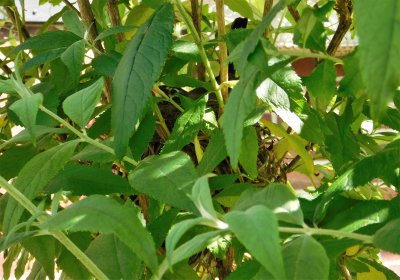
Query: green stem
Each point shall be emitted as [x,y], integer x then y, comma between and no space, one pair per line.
[203,55]
[303,54]
[331,232]
[84,137]
[64,240]
[158,91]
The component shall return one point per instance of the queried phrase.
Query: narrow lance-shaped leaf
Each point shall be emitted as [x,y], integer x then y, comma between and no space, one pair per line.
[73,23]
[138,69]
[27,109]
[241,102]
[80,105]
[249,151]
[34,177]
[99,213]
[378,28]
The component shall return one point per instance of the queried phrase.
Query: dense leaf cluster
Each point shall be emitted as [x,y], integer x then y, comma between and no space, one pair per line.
[159,140]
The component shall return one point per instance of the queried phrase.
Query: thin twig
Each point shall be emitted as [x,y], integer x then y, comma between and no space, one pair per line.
[72,7]
[267,8]
[344,9]
[196,17]
[115,19]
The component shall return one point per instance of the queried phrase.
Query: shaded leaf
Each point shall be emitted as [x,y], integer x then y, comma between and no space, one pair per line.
[73,59]
[26,109]
[387,238]
[87,180]
[168,178]
[378,30]
[73,23]
[305,258]
[186,127]
[114,258]
[43,248]
[34,176]
[213,154]
[99,213]
[249,151]
[257,229]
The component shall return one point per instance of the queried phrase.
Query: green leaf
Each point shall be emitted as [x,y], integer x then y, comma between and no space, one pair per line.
[69,264]
[43,248]
[35,176]
[99,213]
[253,39]
[114,30]
[242,7]
[181,270]
[26,109]
[322,82]
[114,258]
[241,102]
[382,268]
[278,197]
[184,80]
[387,238]
[138,69]
[48,41]
[283,92]
[106,63]
[176,233]
[202,198]
[362,214]
[72,23]
[245,271]
[378,30]
[186,127]
[80,106]
[213,154]
[143,135]
[42,58]
[257,229]
[341,144]
[161,225]
[73,59]
[87,180]
[195,245]
[249,151]
[305,258]
[380,165]
[167,178]
[352,83]
[310,31]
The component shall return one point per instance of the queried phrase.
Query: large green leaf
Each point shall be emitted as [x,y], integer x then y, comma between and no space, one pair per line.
[242,7]
[80,106]
[378,29]
[383,164]
[27,109]
[102,214]
[213,154]
[202,198]
[114,258]
[278,197]
[35,176]
[143,135]
[387,238]
[305,259]
[13,159]
[257,229]
[138,69]
[167,178]
[186,127]
[241,102]
[86,180]
[48,41]
[42,58]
